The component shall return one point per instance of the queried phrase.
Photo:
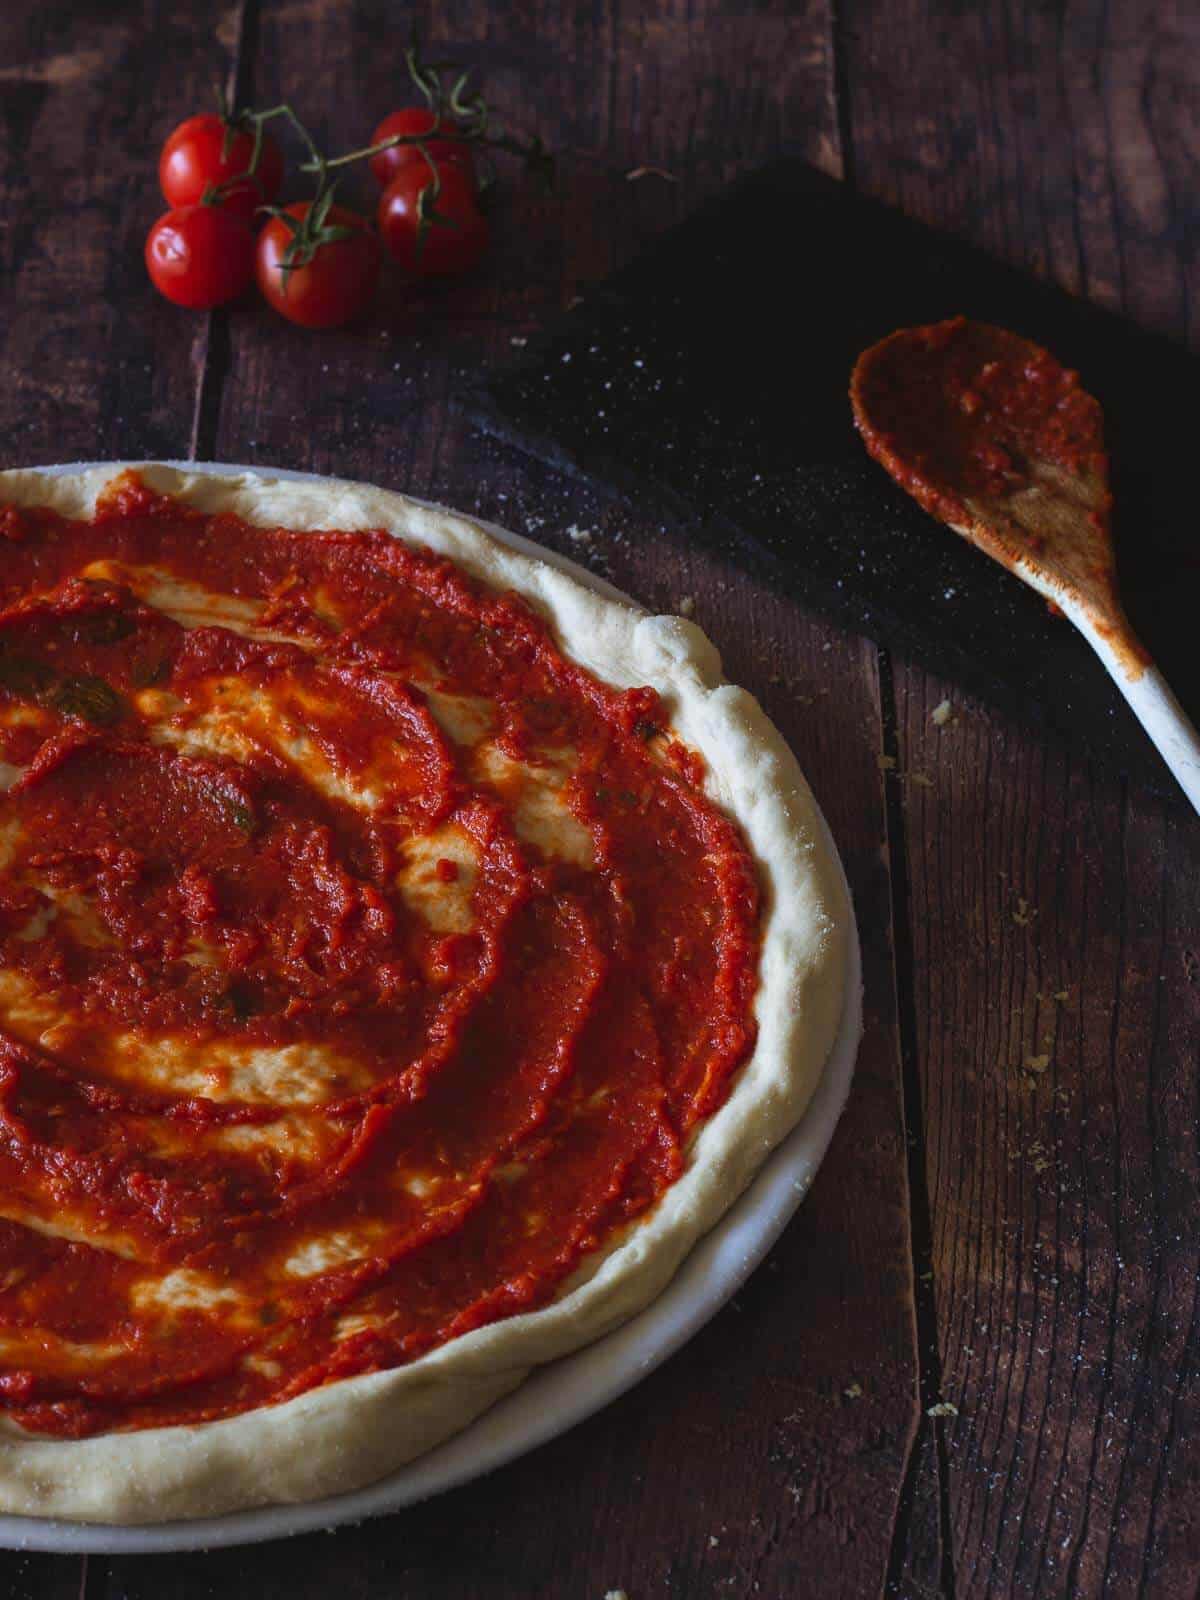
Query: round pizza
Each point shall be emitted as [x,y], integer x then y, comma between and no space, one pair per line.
[406,953]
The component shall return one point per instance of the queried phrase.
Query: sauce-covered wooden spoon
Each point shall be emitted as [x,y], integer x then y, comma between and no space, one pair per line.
[999,441]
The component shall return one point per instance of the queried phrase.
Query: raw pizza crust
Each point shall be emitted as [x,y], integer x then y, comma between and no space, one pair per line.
[354,1431]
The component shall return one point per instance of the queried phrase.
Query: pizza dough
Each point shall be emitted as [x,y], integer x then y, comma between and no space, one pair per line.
[352,1431]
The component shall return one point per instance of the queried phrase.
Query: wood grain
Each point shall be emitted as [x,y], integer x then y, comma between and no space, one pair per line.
[1057,1179]
[1064,138]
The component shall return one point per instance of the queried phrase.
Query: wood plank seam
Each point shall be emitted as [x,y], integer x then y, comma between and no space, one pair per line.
[217,356]
[929,1375]
[925,1311]
[214,365]
[93,1578]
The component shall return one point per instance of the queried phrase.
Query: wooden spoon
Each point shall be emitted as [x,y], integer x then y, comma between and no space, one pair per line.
[996,439]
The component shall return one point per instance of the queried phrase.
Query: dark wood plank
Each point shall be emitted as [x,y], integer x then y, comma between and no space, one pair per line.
[1054,924]
[774,1445]
[97,366]
[1063,138]
[1059,1132]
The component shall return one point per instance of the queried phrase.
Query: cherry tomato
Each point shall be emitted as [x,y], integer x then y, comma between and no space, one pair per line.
[388,164]
[200,256]
[449,247]
[334,285]
[194,158]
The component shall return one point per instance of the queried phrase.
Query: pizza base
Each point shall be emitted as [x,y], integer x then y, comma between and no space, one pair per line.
[354,1431]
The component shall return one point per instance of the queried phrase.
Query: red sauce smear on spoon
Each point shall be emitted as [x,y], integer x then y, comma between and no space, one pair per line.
[960,409]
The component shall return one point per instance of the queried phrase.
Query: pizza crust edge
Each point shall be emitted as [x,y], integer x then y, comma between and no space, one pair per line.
[354,1431]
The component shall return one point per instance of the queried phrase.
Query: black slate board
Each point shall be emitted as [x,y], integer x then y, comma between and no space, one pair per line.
[711,375]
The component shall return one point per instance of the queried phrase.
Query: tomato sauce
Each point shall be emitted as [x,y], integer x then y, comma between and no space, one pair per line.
[959,410]
[459,1109]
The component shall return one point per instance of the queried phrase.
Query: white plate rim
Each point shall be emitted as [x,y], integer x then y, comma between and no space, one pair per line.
[566,1391]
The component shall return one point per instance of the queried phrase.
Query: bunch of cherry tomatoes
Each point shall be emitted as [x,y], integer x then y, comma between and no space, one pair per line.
[315,261]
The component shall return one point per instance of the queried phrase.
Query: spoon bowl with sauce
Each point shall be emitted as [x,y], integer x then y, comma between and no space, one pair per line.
[998,440]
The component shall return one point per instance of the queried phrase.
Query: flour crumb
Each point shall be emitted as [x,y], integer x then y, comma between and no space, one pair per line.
[885,763]
[942,714]
[944,1408]
[615,1594]
[1039,1157]
[518,341]
[1037,1063]
[687,606]
[921,779]
[578,535]
[1023,916]
[713,1541]
[853,1391]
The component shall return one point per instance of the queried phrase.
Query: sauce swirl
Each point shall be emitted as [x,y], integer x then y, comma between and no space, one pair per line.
[365,964]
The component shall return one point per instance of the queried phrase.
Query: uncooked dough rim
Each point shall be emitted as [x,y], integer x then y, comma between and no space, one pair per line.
[354,1431]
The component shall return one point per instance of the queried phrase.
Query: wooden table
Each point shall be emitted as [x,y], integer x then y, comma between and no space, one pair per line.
[972,1365]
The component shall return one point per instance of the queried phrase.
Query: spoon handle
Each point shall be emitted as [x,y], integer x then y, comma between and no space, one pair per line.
[1154,705]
